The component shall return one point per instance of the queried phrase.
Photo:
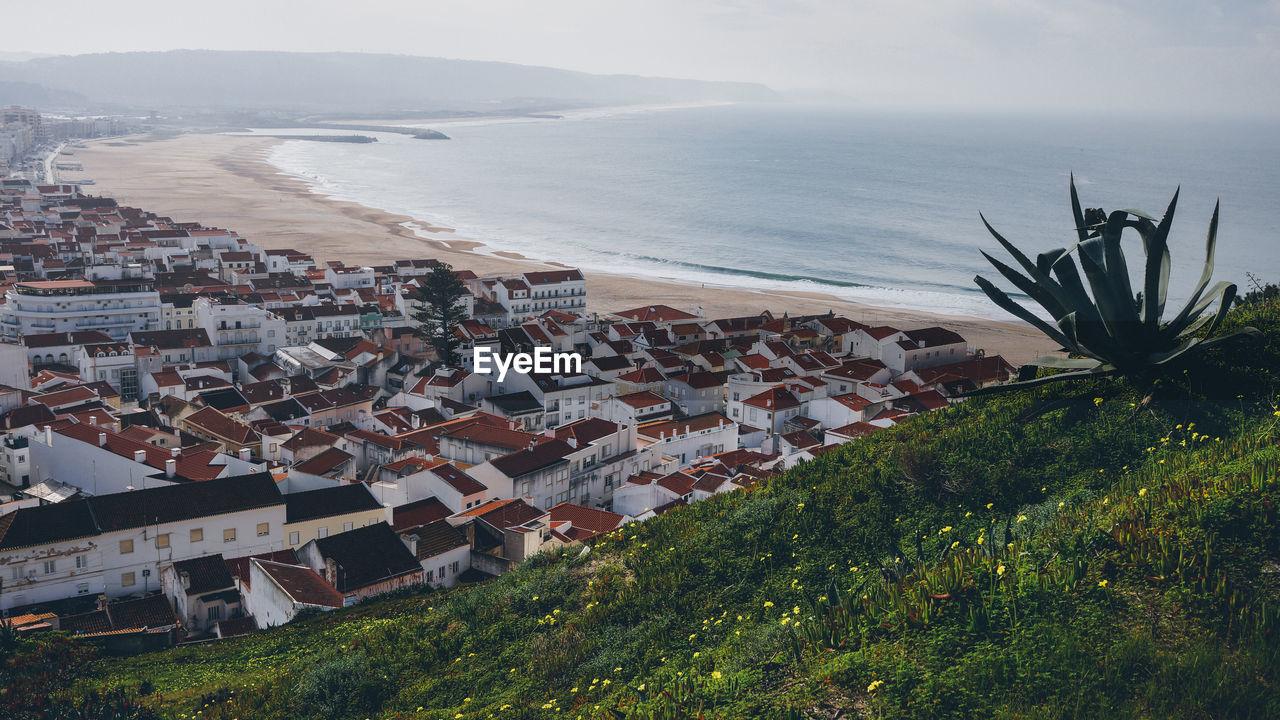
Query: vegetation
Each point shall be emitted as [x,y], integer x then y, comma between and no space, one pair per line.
[988,560]
[1259,292]
[1108,329]
[441,297]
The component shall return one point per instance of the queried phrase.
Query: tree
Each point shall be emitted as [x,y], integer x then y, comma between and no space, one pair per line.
[440,311]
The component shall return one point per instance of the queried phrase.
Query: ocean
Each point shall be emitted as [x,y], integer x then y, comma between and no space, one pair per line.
[880,208]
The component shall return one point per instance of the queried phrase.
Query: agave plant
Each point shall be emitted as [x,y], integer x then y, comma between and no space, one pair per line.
[1108,329]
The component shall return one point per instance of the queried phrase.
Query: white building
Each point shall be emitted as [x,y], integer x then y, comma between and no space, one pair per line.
[115,307]
[115,544]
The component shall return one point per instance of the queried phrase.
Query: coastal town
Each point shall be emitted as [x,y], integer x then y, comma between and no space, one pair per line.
[205,437]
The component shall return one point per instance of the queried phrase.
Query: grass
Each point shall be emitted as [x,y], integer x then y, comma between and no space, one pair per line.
[1071,551]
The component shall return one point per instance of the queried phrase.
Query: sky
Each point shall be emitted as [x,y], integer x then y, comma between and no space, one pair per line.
[1085,55]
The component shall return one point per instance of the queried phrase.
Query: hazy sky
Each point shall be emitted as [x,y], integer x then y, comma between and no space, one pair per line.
[1082,54]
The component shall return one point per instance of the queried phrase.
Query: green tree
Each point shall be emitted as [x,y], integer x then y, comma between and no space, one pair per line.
[440,311]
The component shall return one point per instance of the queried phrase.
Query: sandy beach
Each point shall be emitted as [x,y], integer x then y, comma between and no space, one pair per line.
[224,181]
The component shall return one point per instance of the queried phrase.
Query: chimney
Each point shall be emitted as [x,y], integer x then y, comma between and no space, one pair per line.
[532,443]
[175,452]
[170,468]
[411,542]
[415,420]
[186,580]
[93,420]
[245,454]
[573,441]
[139,456]
[48,435]
[102,439]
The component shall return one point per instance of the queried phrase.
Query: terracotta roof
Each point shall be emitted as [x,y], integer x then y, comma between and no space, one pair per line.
[587,522]
[325,462]
[302,584]
[642,399]
[672,428]
[457,479]
[503,513]
[523,462]
[418,513]
[773,399]
[219,425]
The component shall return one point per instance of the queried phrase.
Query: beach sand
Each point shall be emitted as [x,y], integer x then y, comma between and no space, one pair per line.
[224,181]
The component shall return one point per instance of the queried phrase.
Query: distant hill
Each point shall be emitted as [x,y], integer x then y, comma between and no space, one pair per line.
[343,83]
[25,93]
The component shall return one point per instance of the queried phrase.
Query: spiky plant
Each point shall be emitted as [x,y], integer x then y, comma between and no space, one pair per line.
[1108,329]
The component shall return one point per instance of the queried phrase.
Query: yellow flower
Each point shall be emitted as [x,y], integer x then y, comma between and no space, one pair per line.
[796,610]
[640,686]
[875,685]
[989,505]
[1142,492]
[980,539]
[1098,401]
[968,514]
[955,544]
[946,529]
[1000,570]
[716,674]
[1021,518]
[768,603]
[799,506]
[1103,583]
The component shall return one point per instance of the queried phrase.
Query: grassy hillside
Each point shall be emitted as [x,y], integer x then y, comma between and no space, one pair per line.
[1064,552]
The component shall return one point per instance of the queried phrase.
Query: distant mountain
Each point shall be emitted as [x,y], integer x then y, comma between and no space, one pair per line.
[25,93]
[344,83]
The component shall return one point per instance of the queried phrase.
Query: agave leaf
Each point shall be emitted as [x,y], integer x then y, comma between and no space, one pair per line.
[1117,268]
[1156,278]
[1061,363]
[1139,213]
[1117,313]
[1100,371]
[1179,325]
[1036,291]
[1223,308]
[1081,231]
[1089,330]
[1210,246]
[999,297]
[1009,247]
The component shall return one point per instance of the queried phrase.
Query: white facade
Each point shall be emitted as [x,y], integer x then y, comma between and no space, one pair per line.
[116,308]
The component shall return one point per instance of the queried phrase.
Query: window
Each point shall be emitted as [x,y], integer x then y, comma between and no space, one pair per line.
[293,538]
[197,534]
[215,612]
[264,529]
[126,547]
[19,572]
[441,572]
[127,579]
[82,588]
[324,532]
[431,575]
[162,540]
[229,535]
[346,527]
[82,562]
[454,567]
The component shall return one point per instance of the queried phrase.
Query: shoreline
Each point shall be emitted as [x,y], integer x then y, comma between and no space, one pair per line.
[226,181]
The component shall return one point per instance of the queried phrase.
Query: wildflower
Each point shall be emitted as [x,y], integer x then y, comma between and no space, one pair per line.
[875,685]
[1097,402]
[716,674]
[1061,504]
[796,610]
[989,505]
[1022,518]
[1142,492]
[1102,583]
[981,539]
[1000,570]
[697,654]
[955,544]
[799,506]
[968,514]
[574,689]
[946,529]
[640,686]
[768,603]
